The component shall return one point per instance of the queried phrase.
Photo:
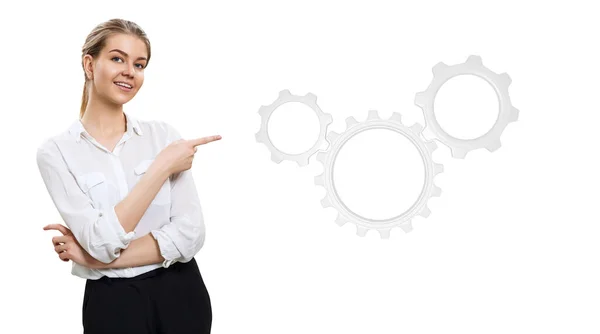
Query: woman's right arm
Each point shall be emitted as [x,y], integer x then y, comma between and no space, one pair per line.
[101,232]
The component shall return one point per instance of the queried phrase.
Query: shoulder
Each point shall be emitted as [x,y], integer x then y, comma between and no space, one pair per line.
[48,152]
[50,144]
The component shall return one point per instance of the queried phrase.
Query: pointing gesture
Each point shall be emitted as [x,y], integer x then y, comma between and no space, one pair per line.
[178,156]
[203,140]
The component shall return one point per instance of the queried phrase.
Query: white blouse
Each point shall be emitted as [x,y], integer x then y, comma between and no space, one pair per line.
[86,181]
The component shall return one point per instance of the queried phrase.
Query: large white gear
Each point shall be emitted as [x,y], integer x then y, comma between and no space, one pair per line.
[265,112]
[337,141]
[500,83]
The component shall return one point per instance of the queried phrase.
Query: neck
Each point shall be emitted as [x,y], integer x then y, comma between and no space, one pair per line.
[104,119]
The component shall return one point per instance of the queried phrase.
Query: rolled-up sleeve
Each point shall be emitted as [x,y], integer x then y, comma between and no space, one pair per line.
[183,237]
[98,231]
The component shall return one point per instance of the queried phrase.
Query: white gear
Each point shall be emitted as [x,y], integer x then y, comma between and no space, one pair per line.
[507,113]
[337,141]
[265,112]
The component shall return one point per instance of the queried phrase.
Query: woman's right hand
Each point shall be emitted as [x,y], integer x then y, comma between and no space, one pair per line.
[178,155]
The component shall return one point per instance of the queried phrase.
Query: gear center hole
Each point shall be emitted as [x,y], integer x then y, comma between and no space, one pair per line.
[293,128]
[466,106]
[378,174]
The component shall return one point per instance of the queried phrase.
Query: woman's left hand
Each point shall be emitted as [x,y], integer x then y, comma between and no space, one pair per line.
[68,248]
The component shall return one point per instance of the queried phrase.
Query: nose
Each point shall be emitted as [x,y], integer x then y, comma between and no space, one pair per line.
[129,70]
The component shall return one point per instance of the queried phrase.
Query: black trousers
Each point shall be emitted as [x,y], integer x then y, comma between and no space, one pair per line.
[162,301]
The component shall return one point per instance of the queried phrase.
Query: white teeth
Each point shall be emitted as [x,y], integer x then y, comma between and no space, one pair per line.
[122,84]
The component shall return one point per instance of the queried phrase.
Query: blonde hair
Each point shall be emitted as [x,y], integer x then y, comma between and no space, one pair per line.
[96,40]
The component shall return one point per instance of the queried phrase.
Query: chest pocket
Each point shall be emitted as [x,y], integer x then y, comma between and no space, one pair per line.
[164,194]
[94,185]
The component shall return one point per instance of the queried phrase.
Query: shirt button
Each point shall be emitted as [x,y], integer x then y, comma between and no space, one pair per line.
[100,214]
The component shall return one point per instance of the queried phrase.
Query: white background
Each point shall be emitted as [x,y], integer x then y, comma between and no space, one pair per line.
[511,246]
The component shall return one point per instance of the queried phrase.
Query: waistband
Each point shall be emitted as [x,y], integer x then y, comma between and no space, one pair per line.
[152,273]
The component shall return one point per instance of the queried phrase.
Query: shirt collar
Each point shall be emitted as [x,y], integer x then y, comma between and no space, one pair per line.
[76,129]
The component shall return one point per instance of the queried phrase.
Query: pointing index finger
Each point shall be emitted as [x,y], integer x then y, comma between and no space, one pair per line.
[204,140]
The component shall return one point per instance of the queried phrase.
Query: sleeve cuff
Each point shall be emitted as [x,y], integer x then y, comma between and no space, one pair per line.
[168,250]
[106,236]
[124,238]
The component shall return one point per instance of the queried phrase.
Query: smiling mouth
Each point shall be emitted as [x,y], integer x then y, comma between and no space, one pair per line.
[123,87]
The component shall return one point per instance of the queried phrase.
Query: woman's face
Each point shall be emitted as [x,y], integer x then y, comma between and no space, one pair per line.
[122,60]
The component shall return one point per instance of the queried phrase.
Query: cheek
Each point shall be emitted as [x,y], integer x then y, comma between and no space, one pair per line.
[104,77]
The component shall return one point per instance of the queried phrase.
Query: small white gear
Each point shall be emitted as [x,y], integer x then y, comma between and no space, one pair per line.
[507,113]
[262,136]
[337,141]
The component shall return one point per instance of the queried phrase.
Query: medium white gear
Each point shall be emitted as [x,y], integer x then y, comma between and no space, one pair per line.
[262,136]
[337,141]
[507,113]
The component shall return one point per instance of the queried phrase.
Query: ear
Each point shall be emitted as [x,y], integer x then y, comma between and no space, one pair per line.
[88,65]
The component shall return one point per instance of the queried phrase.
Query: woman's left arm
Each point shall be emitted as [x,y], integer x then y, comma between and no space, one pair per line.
[182,237]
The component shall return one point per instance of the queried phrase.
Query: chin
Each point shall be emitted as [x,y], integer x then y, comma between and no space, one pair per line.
[125,98]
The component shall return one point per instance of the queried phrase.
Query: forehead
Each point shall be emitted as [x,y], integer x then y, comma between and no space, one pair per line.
[131,45]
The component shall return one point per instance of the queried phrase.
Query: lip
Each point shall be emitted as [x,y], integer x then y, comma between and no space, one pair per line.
[125,89]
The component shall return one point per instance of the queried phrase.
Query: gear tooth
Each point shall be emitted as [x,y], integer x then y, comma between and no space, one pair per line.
[396,117]
[475,60]
[439,68]
[437,168]
[321,156]
[258,137]
[361,231]
[340,220]
[276,157]
[406,226]
[325,202]
[514,115]
[436,191]
[458,153]
[425,212]
[285,93]
[332,136]
[263,110]
[320,180]
[505,78]
[327,118]
[421,99]
[311,97]
[373,114]
[384,233]
[494,145]
[350,121]
[416,128]
[431,146]
[302,161]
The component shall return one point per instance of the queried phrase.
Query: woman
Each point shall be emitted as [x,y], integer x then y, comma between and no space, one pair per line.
[125,190]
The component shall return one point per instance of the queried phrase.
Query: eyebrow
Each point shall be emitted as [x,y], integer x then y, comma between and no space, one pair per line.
[126,55]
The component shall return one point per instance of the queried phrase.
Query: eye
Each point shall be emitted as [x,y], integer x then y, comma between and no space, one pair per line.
[141,65]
